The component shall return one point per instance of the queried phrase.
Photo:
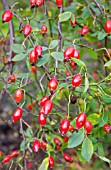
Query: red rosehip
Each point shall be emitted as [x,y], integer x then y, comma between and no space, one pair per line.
[107,128]
[39,2]
[48,107]
[30,107]
[53,83]
[76,54]
[80,121]
[42,110]
[76,80]
[44,29]
[32,3]
[7,16]
[73,64]
[6,159]
[42,119]
[11,78]
[64,126]
[36,146]
[95,76]
[34,69]
[108,26]
[68,53]
[68,74]
[51,161]
[29,164]
[15,153]
[18,96]
[57,142]
[67,158]
[38,50]
[73,22]
[71,128]
[59,3]
[27,29]
[43,100]
[84,30]
[58,147]
[43,145]
[88,126]
[17,115]
[66,139]
[33,57]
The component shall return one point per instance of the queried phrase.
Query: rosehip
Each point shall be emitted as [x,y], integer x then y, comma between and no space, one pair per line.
[71,128]
[15,153]
[48,107]
[18,96]
[53,83]
[64,126]
[7,16]
[44,145]
[33,57]
[73,22]
[80,121]
[68,53]
[38,50]
[76,54]
[42,119]
[42,110]
[51,161]
[66,139]
[17,115]
[76,80]
[43,100]
[33,69]
[107,128]
[29,164]
[30,107]
[32,3]
[84,30]
[108,26]
[6,159]
[68,74]
[27,29]
[68,158]
[59,3]
[44,29]
[73,64]
[11,78]
[88,126]
[36,146]
[39,2]
[57,141]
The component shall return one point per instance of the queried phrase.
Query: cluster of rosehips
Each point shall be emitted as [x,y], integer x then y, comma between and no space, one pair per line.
[7,158]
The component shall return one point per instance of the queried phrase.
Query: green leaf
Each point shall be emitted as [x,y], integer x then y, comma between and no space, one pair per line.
[43,60]
[100,150]
[18,48]
[64,16]
[103,119]
[53,44]
[86,84]
[58,56]
[87,149]
[19,57]
[63,85]
[79,62]
[44,48]
[101,35]
[94,118]
[80,157]
[28,132]
[108,64]
[76,139]
[64,146]
[44,165]
[92,53]
[106,99]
